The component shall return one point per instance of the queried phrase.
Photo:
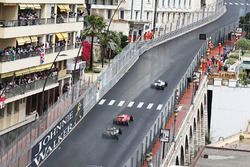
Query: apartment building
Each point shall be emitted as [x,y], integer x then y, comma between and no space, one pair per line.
[135,17]
[33,35]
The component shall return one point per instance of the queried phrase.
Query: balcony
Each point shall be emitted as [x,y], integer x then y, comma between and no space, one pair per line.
[21,91]
[11,63]
[15,28]
[44,1]
[100,4]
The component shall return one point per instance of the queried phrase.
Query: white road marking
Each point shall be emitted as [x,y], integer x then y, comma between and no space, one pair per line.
[111,102]
[242,4]
[102,101]
[236,3]
[230,3]
[150,105]
[248,4]
[140,105]
[130,104]
[121,103]
[159,107]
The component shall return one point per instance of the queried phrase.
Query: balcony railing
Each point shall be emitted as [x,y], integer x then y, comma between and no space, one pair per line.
[17,56]
[110,2]
[21,89]
[6,58]
[17,23]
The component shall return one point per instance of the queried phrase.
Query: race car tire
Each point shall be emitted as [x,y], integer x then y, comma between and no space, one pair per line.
[126,123]
[131,118]
[166,83]
[120,131]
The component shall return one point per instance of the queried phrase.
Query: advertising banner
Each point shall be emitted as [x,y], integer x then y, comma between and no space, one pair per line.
[53,138]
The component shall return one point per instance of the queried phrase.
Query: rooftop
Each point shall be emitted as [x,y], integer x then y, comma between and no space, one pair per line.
[221,157]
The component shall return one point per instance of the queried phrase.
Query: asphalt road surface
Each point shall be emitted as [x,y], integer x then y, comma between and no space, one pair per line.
[168,62]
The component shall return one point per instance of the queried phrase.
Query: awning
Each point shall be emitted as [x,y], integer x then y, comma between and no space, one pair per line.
[37,6]
[20,41]
[62,9]
[22,6]
[6,75]
[30,6]
[59,36]
[65,35]
[26,40]
[33,69]
[67,8]
[33,39]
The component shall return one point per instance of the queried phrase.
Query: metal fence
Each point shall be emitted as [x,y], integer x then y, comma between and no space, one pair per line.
[18,153]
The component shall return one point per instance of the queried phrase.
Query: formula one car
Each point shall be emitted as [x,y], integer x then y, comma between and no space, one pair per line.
[159,84]
[123,119]
[112,132]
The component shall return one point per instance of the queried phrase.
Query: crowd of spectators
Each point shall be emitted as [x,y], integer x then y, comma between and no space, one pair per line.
[26,79]
[22,51]
[27,17]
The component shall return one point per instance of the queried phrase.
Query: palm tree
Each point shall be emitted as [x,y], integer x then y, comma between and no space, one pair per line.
[95,26]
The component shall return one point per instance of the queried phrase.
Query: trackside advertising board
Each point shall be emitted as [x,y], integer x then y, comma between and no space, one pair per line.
[49,142]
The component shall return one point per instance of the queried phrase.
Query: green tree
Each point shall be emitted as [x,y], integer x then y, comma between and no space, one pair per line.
[110,42]
[244,23]
[124,40]
[243,77]
[244,44]
[95,25]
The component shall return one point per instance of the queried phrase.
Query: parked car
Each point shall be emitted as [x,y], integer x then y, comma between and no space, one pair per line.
[159,84]
[123,119]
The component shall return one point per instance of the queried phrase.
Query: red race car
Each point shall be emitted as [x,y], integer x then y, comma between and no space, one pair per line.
[123,119]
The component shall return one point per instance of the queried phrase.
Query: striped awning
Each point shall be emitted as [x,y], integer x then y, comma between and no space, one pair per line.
[27,40]
[20,41]
[65,35]
[33,69]
[37,6]
[61,8]
[33,39]
[22,6]
[59,36]
[67,8]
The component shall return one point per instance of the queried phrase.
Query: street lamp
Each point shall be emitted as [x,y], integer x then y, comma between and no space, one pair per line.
[47,76]
[155,15]
[112,17]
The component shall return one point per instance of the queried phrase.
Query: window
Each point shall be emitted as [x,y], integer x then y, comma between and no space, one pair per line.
[163,3]
[147,15]
[162,19]
[136,15]
[122,14]
[109,14]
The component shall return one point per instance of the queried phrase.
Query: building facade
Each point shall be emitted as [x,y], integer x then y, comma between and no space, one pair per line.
[36,40]
[135,17]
